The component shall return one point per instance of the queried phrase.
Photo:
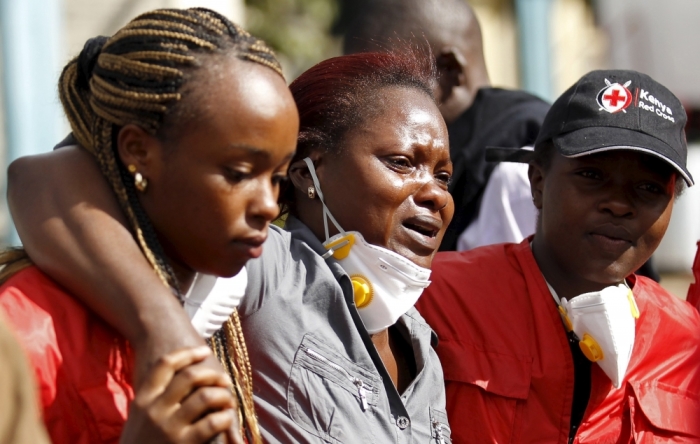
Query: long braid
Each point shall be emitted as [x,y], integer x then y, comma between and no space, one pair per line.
[135,77]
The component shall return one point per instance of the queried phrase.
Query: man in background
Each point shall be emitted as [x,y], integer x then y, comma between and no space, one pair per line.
[477,114]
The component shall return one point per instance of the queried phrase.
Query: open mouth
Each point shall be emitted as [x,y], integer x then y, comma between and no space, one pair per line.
[421,230]
[423,225]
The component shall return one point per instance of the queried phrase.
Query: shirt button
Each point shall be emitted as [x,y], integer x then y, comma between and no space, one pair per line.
[402,422]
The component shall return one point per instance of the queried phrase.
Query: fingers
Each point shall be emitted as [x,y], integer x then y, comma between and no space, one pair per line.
[234,435]
[203,400]
[187,380]
[186,398]
[212,425]
[162,372]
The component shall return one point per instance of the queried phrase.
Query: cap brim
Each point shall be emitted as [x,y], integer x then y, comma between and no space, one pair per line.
[585,141]
[517,155]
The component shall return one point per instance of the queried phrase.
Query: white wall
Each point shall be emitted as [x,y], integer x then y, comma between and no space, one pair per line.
[657,37]
[677,250]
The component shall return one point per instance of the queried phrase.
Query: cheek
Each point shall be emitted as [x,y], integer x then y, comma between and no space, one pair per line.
[364,197]
[557,213]
[657,226]
[202,204]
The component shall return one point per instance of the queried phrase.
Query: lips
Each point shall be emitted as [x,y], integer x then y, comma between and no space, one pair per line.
[612,239]
[252,245]
[424,225]
[614,232]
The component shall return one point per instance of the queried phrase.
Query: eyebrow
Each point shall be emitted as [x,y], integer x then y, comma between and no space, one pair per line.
[255,151]
[258,152]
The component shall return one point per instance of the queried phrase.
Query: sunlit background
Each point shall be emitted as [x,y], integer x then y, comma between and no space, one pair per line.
[542,46]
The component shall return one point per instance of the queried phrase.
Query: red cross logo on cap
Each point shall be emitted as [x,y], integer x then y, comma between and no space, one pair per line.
[614,97]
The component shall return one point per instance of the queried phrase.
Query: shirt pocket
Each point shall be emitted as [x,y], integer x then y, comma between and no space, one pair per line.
[330,396]
[489,388]
[661,411]
[440,428]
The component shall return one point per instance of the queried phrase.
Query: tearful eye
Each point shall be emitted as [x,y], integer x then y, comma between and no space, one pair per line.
[444,178]
[398,162]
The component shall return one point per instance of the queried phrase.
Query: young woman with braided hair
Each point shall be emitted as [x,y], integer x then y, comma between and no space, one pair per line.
[192,125]
[338,353]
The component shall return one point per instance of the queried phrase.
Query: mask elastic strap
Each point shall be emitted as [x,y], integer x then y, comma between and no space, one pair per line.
[326,212]
[554,294]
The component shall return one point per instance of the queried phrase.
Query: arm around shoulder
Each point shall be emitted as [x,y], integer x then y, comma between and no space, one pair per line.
[73,229]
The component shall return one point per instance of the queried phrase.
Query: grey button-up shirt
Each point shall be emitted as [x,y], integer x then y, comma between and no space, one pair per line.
[317,375]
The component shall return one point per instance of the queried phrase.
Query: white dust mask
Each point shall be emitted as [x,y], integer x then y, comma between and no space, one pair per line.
[211,300]
[603,321]
[385,284]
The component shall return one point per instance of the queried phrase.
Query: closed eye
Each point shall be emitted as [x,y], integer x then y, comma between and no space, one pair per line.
[279,179]
[235,176]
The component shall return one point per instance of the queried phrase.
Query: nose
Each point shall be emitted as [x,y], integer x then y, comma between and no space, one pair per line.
[263,203]
[618,202]
[432,196]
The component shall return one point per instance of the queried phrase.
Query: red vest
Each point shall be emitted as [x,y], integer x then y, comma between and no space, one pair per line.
[694,290]
[82,366]
[509,370]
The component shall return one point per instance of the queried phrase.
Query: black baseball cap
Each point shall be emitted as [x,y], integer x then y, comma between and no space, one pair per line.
[618,110]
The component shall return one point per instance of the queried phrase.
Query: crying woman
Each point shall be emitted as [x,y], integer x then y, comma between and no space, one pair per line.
[338,353]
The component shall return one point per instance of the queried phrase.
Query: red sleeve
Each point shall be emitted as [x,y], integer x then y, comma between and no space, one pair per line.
[35,327]
[82,367]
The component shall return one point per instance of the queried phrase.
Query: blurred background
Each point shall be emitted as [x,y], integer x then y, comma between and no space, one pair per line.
[542,46]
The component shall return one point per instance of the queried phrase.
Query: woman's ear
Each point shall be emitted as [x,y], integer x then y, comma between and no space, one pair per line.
[299,172]
[536,175]
[138,148]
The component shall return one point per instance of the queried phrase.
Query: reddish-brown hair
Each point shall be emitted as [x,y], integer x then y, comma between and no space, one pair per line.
[339,94]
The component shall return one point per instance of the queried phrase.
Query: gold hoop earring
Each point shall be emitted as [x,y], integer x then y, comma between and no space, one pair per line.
[311,192]
[140,182]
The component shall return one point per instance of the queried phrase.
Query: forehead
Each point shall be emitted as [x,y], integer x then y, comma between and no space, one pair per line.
[397,106]
[399,116]
[237,103]
[229,84]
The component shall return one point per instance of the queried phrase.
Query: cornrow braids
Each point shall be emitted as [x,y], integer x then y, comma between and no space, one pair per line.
[136,77]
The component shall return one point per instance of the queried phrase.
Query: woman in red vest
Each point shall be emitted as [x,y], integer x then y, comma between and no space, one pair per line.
[555,339]
[193,126]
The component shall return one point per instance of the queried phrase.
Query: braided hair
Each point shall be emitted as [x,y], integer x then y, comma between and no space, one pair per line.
[136,77]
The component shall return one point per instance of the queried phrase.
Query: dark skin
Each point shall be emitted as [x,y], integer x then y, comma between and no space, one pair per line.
[227,165]
[213,187]
[212,191]
[64,238]
[389,182]
[451,29]
[601,217]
